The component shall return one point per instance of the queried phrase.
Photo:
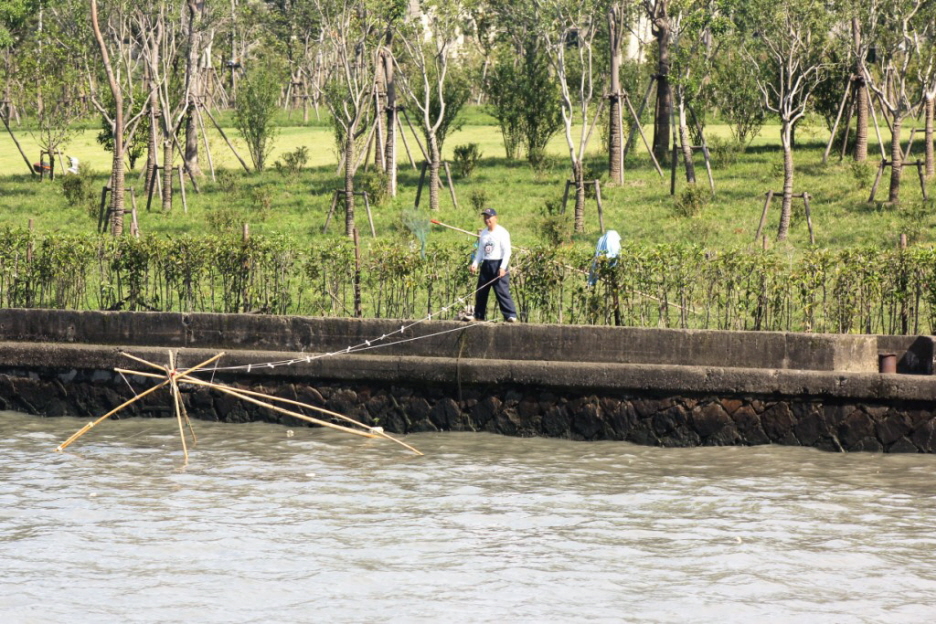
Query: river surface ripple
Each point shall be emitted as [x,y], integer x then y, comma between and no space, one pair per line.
[268,526]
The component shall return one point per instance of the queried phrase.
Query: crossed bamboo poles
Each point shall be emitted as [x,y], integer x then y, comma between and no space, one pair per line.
[172,376]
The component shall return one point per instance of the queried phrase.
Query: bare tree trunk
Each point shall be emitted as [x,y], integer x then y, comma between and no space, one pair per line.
[615,131]
[786,208]
[664,101]
[896,161]
[305,100]
[578,175]
[167,174]
[117,170]
[686,143]
[435,163]
[191,144]
[193,76]
[861,119]
[928,134]
[349,181]
[861,99]
[152,159]
[117,184]
[390,153]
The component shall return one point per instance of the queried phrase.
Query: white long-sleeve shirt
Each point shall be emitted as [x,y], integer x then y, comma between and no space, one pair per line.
[493,245]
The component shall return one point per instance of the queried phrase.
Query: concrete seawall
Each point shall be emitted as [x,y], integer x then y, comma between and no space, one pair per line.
[650,386]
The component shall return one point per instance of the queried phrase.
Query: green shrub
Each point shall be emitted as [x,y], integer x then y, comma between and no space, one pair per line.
[293,161]
[224,220]
[227,181]
[81,190]
[555,230]
[466,159]
[724,152]
[692,201]
[375,184]
[590,173]
[261,198]
[478,198]
[540,162]
[863,172]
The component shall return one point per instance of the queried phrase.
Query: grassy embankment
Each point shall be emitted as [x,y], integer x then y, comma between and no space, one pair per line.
[641,209]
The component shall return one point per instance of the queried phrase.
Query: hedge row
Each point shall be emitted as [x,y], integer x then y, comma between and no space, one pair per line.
[678,285]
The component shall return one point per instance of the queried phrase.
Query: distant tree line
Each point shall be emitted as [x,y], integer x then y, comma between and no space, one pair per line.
[149,70]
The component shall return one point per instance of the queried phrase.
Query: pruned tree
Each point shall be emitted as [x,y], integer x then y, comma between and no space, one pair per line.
[18,21]
[118,54]
[735,92]
[696,27]
[197,38]
[386,97]
[293,26]
[618,19]
[569,31]
[521,89]
[52,81]
[859,50]
[902,30]
[256,105]
[658,13]
[927,79]
[351,34]
[788,44]
[170,33]
[506,104]
[426,56]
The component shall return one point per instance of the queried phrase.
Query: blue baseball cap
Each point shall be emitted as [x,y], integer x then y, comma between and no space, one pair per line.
[489,212]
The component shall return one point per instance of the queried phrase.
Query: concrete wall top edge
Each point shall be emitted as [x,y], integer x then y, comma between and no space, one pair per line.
[577,376]
[526,342]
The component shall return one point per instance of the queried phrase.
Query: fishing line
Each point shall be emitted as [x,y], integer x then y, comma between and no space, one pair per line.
[367,344]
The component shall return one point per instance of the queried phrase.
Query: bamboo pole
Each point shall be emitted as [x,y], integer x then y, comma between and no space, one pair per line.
[636,118]
[188,421]
[204,133]
[322,410]
[838,118]
[642,136]
[226,140]
[61,447]
[175,376]
[405,144]
[32,171]
[239,394]
[177,399]
[415,136]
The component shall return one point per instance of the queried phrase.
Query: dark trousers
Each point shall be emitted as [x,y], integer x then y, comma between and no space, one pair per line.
[487,272]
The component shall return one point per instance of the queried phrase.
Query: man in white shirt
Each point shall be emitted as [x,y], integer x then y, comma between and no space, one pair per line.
[490,262]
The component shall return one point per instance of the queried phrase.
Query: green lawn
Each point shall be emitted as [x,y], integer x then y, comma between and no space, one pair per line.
[641,209]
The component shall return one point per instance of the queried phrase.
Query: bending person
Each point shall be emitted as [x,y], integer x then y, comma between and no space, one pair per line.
[490,262]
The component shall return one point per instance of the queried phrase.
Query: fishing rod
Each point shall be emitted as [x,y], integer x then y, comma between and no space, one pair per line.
[452,227]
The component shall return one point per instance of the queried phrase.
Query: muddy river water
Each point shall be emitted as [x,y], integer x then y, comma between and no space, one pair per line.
[266,524]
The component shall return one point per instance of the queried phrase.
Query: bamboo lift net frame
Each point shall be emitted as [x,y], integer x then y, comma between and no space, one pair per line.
[171,376]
